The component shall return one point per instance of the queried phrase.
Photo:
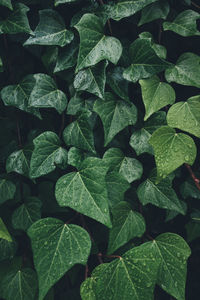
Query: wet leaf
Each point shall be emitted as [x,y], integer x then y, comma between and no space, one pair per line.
[19,161]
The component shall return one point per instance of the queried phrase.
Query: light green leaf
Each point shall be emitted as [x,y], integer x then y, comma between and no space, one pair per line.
[156,95]
[154,11]
[184,24]
[19,161]
[139,141]
[27,213]
[173,252]
[58,2]
[118,84]
[186,116]
[171,150]
[94,45]
[144,61]
[6,3]
[115,115]
[20,285]
[67,57]
[7,190]
[18,95]
[92,79]
[127,224]
[186,71]
[17,20]
[85,191]
[79,134]
[50,31]
[46,94]
[47,154]
[57,247]
[4,234]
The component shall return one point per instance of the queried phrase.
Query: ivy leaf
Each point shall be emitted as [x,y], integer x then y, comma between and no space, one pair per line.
[184,24]
[118,84]
[50,31]
[92,79]
[75,157]
[4,234]
[157,120]
[51,240]
[186,71]
[46,94]
[85,191]
[171,150]
[144,61]
[6,3]
[17,20]
[7,190]
[127,224]
[58,2]
[18,95]
[186,115]
[79,134]
[47,154]
[20,285]
[7,249]
[94,45]
[139,141]
[27,213]
[154,11]
[115,115]
[156,95]
[67,57]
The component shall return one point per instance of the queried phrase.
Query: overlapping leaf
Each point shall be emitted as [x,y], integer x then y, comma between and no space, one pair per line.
[58,2]
[154,11]
[19,161]
[6,3]
[4,234]
[67,57]
[7,190]
[7,249]
[118,84]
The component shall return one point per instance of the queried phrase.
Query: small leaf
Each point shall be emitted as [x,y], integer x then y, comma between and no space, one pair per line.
[85,191]
[94,45]
[184,24]
[193,231]
[115,115]
[19,161]
[154,11]
[50,31]
[7,249]
[6,3]
[139,141]
[7,190]
[186,71]
[4,234]
[156,95]
[47,154]
[20,285]
[75,157]
[127,224]
[186,116]
[118,84]
[1,65]
[67,57]
[58,2]
[57,247]
[171,150]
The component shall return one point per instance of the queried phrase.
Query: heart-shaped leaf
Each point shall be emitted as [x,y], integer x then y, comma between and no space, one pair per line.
[154,11]
[4,234]
[19,161]
[6,3]
[7,190]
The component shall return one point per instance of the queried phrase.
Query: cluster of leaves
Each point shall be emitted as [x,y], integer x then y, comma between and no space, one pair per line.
[100,116]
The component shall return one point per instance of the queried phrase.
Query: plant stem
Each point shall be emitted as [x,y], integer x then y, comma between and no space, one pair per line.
[193,3]
[19,133]
[195,179]
[62,124]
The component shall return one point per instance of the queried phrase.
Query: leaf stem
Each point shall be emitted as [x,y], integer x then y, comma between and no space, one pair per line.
[108,256]
[195,179]
[193,3]
[18,133]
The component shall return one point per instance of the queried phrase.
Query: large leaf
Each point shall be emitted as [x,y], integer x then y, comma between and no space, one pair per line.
[171,150]
[154,11]
[4,234]
[6,3]
[155,95]
[7,190]
[186,71]
[19,285]
[144,61]
[92,79]
[85,191]
[47,154]
[17,20]
[50,30]
[127,224]
[57,247]
[186,115]
[115,114]
[184,24]
[94,45]
[19,161]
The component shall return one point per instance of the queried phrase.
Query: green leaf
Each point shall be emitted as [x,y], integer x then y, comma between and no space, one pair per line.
[58,2]
[186,71]
[193,231]
[173,252]
[186,116]
[27,213]
[67,57]
[79,134]
[50,31]
[50,239]
[7,249]
[19,161]
[20,285]
[85,191]
[171,150]
[118,84]
[17,20]
[189,189]
[46,94]
[47,154]
[1,65]
[157,120]
[154,11]
[115,115]
[4,234]
[127,224]
[6,3]
[184,24]
[7,190]
[139,141]
[94,45]
[144,61]
[92,79]
[75,157]
[156,95]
